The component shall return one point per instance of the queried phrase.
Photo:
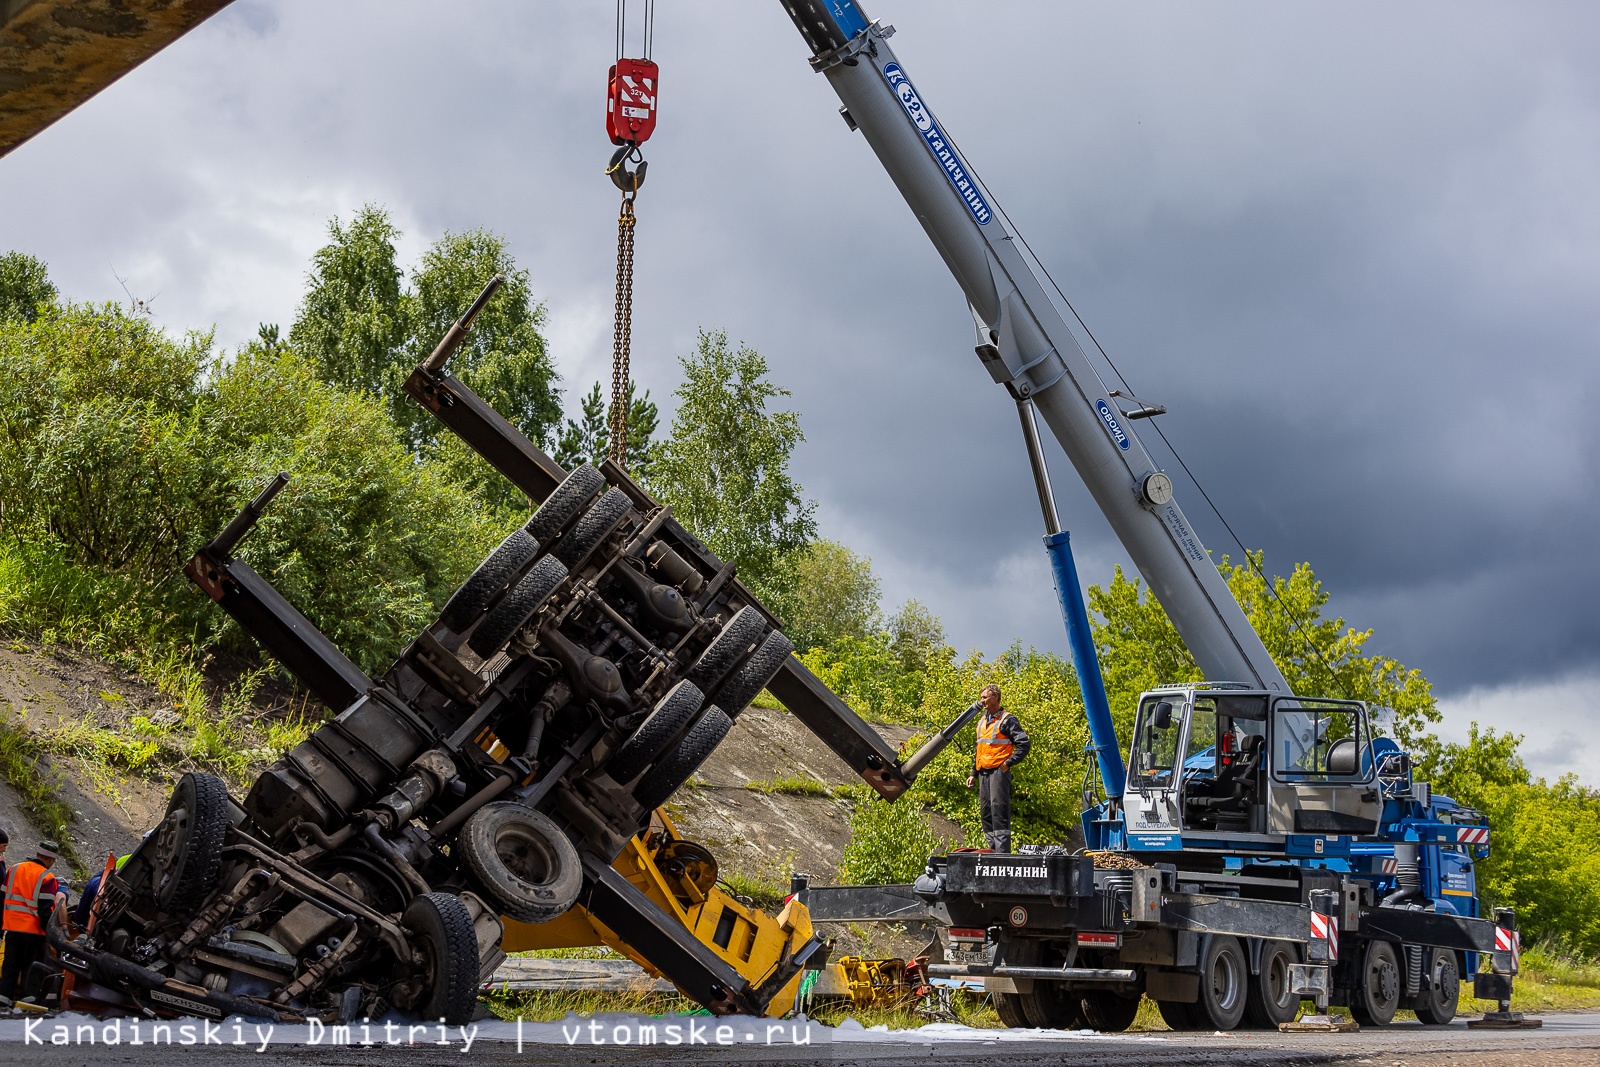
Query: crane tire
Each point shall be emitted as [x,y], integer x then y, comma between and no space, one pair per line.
[1109,1012]
[188,843]
[1376,996]
[518,606]
[442,928]
[493,574]
[736,640]
[527,868]
[646,744]
[1051,1006]
[664,779]
[558,509]
[1009,1007]
[1270,1000]
[1224,980]
[1441,988]
[753,675]
[596,524]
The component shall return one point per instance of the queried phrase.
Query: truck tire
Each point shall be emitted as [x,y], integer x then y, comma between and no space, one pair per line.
[442,927]
[663,780]
[188,843]
[657,732]
[1269,1001]
[1441,988]
[737,638]
[525,865]
[1052,1006]
[1224,981]
[1109,1012]
[587,533]
[1009,1007]
[748,681]
[485,583]
[513,613]
[575,490]
[1376,996]
[1177,1015]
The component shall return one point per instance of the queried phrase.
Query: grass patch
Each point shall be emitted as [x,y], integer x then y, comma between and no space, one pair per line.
[20,759]
[794,786]
[763,890]
[551,1005]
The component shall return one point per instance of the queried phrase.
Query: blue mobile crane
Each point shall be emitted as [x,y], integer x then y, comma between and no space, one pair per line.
[1257,846]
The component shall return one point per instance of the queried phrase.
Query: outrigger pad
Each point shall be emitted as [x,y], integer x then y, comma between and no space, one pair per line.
[1320,1024]
[1504,1020]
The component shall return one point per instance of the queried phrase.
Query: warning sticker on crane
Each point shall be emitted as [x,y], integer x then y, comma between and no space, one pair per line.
[943,151]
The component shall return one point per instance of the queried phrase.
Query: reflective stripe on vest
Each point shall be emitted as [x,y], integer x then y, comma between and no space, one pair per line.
[21,909]
[994,747]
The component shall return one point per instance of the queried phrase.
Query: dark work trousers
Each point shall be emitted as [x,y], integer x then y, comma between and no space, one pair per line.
[994,801]
[21,951]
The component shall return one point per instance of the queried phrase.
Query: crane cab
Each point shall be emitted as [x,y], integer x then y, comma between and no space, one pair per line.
[1228,768]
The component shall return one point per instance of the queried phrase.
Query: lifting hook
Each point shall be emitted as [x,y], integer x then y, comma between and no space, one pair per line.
[623,178]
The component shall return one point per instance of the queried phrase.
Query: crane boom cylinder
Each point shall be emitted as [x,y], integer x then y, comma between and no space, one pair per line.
[1025,342]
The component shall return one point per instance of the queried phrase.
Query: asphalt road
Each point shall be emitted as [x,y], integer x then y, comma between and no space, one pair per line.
[1564,1040]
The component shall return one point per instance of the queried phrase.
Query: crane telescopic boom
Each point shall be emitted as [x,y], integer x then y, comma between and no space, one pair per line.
[1024,340]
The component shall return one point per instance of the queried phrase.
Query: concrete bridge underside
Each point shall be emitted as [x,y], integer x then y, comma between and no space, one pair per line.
[55,54]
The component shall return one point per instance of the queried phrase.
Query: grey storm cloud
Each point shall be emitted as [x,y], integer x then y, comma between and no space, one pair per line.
[1353,248]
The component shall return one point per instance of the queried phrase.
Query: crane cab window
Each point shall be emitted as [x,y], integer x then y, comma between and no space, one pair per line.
[1155,741]
[1319,741]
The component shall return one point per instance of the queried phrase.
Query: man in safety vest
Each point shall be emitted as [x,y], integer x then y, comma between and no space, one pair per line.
[1002,744]
[31,893]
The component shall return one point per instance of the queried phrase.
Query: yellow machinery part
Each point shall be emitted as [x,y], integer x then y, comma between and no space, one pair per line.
[747,937]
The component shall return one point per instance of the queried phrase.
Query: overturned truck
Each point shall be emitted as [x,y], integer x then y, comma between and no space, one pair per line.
[570,685]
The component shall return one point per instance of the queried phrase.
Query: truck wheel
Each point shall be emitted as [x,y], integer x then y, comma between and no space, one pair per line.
[587,533]
[653,736]
[476,593]
[750,679]
[727,648]
[442,926]
[1377,989]
[1269,1001]
[663,780]
[1224,977]
[188,843]
[1052,1006]
[1441,990]
[575,490]
[512,613]
[1177,1015]
[1009,1007]
[523,862]
[1109,1012]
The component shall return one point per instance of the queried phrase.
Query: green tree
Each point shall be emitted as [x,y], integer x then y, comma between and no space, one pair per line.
[587,439]
[725,468]
[1139,648]
[889,843]
[25,286]
[917,638]
[353,321]
[835,596]
[364,329]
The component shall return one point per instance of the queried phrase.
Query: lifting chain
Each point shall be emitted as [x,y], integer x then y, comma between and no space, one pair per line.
[622,331]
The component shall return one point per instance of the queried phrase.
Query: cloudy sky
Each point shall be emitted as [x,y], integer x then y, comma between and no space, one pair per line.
[1354,248]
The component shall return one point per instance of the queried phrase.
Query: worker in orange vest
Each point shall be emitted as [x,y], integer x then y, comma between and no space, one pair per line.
[1002,744]
[32,892]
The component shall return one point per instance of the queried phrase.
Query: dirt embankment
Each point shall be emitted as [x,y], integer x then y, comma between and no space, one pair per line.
[56,699]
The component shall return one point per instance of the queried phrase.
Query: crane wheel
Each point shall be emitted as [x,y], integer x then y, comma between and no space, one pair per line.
[492,575]
[663,780]
[596,524]
[558,509]
[736,640]
[512,613]
[657,732]
[442,927]
[753,676]
[525,865]
[1376,996]
[1441,988]
[1269,1001]
[188,843]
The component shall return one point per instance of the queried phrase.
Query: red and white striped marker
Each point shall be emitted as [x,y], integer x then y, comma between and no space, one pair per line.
[1390,865]
[1472,835]
[1326,928]
[1509,941]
